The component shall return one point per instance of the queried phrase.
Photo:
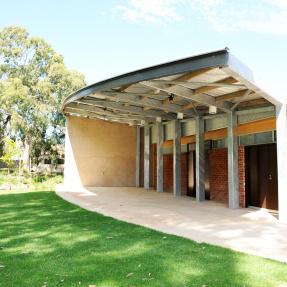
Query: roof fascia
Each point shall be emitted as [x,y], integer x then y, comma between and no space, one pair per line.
[244,75]
[211,59]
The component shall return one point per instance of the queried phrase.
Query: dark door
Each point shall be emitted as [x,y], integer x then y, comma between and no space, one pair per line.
[191,174]
[262,184]
[273,178]
[191,191]
[206,160]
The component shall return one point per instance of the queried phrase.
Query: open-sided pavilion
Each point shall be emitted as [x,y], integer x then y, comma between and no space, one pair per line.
[204,126]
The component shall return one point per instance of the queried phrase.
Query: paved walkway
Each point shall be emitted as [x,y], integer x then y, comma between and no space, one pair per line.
[252,231]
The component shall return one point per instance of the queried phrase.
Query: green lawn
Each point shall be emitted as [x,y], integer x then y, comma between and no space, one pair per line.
[47,241]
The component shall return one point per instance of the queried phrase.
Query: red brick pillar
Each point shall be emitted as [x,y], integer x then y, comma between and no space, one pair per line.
[168,172]
[218,175]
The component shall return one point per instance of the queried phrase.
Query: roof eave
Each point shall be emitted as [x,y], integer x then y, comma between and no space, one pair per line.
[217,58]
[244,75]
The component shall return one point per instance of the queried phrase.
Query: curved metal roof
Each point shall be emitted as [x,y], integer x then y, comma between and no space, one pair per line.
[182,88]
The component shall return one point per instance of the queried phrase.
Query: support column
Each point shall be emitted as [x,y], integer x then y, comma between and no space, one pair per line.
[199,160]
[159,157]
[233,182]
[177,159]
[138,157]
[281,129]
[146,155]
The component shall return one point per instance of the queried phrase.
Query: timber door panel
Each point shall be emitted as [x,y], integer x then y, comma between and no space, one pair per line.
[263,174]
[273,178]
[262,182]
[253,183]
[207,184]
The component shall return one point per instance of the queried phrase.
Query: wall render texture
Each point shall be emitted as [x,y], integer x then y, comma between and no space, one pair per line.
[99,153]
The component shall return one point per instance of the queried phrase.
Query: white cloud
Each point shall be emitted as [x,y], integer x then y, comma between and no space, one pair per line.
[150,11]
[264,16]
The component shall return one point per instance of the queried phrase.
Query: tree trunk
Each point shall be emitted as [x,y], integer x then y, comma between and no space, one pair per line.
[26,154]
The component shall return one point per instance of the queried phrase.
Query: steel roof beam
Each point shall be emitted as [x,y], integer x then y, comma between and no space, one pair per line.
[97,111]
[234,95]
[94,116]
[205,89]
[92,109]
[135,98]
[185,77]
[196,62]
[132,109]
[188,94]
[244,75]
[198,83]
[241,99]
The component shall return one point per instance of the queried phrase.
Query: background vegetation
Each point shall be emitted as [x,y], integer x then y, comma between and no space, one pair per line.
[33,83]
[37,181]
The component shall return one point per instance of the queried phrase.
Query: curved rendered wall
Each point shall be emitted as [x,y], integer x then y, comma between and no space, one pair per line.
[99,153]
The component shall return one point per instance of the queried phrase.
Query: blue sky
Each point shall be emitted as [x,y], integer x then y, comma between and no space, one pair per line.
[106,38]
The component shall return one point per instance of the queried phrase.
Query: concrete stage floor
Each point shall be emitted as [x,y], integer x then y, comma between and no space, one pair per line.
[247,230]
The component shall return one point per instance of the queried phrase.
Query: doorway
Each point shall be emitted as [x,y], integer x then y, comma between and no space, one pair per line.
[191,176]
[261,176]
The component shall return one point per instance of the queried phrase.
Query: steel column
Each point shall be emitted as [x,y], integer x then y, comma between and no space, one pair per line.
[138,157]
[146,155]
[233,182]
[159,157]
[177,159]
[281,129]
[199,160]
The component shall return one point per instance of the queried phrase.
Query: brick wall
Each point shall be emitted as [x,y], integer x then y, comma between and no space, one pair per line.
[218,166]
[218,173]
[168,173]
[241,175]
[184,173]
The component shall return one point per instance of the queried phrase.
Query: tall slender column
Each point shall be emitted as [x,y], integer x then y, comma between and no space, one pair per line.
[138,157]
[177,159]
[199,160]
[281,129]
[146,155]
[159,157]
[233,182]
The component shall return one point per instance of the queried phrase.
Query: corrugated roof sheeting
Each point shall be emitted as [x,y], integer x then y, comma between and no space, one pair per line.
[247,98]
[216,123]
[168,131]
[242,119]
[223,91]
[211,124]
[188,128]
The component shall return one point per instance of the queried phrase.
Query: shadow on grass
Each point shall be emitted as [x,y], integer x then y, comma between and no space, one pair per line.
[45,240]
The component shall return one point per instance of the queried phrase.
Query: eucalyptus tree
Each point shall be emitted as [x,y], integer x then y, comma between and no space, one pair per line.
[33,83]
[10,153]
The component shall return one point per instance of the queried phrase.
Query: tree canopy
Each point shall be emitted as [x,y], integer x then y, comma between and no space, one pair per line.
[11,151]
[33,83]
